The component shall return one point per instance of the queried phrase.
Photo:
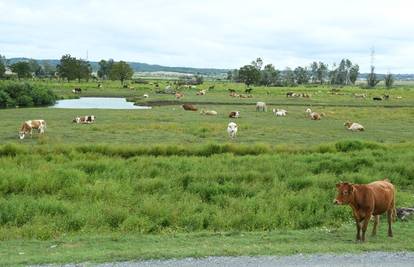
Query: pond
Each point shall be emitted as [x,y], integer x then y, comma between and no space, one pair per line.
[97,103]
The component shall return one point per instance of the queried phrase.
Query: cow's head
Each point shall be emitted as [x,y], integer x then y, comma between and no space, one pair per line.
[22,134]
[345,193]
[347,124]
[76,120]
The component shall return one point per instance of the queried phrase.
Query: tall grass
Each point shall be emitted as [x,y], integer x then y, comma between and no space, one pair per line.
[47,191]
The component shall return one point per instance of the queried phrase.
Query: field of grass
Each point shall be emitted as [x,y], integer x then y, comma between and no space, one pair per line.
[142,184]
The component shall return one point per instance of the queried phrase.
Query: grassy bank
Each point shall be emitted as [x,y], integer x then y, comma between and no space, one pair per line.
[90,190]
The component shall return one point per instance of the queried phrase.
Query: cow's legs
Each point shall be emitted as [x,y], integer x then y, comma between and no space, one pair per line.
[358,228]
[376,221]
[365,224]
[389,218]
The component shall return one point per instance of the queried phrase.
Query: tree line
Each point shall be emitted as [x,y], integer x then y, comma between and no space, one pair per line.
[69,68]
[345,73]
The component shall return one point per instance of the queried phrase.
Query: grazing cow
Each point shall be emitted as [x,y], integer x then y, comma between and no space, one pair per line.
[84,119]
[261,106]
[289,94]
[208,112]
[211,87]
[232,129]
[231,91]
[248,90]
[234,94]
[386,97]
[368,200]
[179,95]
[145,95]
[28,126]
[377,98]
[99,85]
[353,126]
[189,107]
[308,111]
[234,114]
[77,90]
[399,97]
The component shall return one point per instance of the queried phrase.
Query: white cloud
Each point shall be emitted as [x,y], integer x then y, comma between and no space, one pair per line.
[213,33]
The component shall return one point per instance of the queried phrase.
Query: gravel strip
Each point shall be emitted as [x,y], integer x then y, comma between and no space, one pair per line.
[377,259]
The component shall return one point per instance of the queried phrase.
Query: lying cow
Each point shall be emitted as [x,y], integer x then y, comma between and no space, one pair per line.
[208,112]
[179,95]
[84,119]
[353,126]
[234,114]
[189,107]
[232,129]
[368,200]
[279,112]
[28,126]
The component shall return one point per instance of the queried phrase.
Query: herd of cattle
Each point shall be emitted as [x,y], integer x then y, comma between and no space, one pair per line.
[40,125]
[262,107]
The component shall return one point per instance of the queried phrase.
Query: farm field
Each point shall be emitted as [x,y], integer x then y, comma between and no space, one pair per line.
[141,184]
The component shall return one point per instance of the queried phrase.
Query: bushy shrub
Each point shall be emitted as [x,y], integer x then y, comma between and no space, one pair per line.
[25,95]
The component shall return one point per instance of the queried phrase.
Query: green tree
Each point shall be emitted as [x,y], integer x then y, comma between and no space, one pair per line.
[388,80]
[353,73]
[83,70]
[258,63]
[249,74]
[301,75]
[269,76]
[314,71]
[67,68]
[288,77]
[2,66]
[2,70]
[322,72]
[105,68]
[372,80]
[22,69]
[121,71]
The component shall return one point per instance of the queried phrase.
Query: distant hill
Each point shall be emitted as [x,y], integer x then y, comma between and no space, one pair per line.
[138,67]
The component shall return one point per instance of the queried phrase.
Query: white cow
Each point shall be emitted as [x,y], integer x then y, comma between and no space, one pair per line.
[279,112]
[353,126]
[28,126]
[261,106]
[232,129]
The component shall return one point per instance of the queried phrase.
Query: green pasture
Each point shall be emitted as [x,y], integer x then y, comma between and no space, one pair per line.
[141,184]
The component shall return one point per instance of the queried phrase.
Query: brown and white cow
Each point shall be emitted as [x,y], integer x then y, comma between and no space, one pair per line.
[28,126]
[234,114]
[84,119]
[368,200]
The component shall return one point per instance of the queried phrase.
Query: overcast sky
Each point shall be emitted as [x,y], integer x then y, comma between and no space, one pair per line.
[213,33]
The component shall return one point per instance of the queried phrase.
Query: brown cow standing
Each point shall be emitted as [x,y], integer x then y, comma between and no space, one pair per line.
[368,200]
